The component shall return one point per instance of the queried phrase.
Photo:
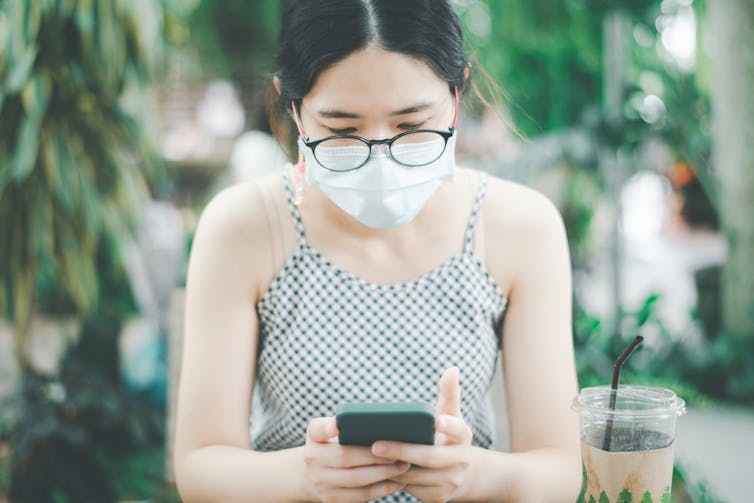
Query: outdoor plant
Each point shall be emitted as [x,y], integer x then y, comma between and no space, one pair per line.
[75,147]
[77,156]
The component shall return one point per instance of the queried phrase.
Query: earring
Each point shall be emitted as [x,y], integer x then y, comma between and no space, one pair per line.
[299,180]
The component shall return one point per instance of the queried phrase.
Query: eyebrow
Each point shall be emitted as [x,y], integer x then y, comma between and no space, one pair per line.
[339,114]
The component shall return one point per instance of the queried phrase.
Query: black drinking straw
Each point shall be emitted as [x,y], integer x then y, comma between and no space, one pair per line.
[614,389]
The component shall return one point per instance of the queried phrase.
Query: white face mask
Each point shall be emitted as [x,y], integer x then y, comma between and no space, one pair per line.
[381,193]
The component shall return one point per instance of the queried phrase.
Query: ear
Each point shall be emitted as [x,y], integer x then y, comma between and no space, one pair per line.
[277,84]
[466,72]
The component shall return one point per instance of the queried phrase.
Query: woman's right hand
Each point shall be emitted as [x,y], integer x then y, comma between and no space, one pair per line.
[344,473]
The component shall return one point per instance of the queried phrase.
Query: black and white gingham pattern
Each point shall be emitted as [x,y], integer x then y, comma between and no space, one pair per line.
[328,336]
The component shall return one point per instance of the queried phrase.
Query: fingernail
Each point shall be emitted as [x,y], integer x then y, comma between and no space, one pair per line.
[380,449]
[442,423]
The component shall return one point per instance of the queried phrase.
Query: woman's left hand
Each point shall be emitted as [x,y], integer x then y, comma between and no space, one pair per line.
[438,472]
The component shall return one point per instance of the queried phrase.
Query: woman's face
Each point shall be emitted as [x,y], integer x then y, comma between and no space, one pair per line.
[376,94]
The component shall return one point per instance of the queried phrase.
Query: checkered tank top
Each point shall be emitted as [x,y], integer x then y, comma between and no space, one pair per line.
[328,336]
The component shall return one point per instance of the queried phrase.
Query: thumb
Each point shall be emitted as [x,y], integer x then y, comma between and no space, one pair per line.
[449,399]
[322,429]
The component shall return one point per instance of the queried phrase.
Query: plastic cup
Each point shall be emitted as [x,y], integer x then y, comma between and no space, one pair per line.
[628,451]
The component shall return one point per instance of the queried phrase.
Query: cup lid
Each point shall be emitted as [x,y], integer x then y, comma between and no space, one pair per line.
[630,400]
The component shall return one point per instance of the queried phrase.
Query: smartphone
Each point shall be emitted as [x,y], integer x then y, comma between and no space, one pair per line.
[363,423]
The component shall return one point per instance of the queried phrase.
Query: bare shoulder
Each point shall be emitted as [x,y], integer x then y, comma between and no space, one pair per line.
[234,229]
[523,232]
[516,212]
[231,215]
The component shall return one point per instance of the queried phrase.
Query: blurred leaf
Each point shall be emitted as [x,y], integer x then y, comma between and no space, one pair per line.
[67,172]
[36,94]
[110,53]
[78,274]
[32,18]
[84,18]
[73,164]
[41,231]
[646,310]
[20,70]
[50,160]
[26,150]
[17,40]
[144,24]
[3,42]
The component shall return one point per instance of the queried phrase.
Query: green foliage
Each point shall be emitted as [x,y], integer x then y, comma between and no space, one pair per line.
[603,498]
[647,498]
[235,36]
[76,155]
[719,365]
[704,496]
[625,496]
[76,149]
[237,39]
[597,349]
[686,125]
[581,194]
[671,363]
[549,58]
[726,368]
[528,47]
[74,429]
[139,476]
[65,447]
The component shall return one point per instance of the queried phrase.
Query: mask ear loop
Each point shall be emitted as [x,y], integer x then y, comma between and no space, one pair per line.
[297,121]
[455,108]
[299,170]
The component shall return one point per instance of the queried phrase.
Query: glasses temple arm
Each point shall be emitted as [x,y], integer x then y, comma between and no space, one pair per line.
[297,120]
[455,107]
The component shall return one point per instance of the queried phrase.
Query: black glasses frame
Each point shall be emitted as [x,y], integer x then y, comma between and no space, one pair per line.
[388,141]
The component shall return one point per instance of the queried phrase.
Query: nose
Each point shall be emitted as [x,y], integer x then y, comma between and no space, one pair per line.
[379,132]
[380,149]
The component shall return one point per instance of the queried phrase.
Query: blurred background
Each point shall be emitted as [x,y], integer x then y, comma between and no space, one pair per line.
[120,119]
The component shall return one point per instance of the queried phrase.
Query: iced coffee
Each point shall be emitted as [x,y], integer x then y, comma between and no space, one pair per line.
[627,442]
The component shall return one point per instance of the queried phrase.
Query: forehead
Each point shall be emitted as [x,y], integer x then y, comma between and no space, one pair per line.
[373,80]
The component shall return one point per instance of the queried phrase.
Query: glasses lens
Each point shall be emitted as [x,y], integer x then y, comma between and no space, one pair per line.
[341,154]
[418,148]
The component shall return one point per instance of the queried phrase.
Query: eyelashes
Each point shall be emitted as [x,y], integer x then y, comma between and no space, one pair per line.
[341,131]
[412,126]
[350,131]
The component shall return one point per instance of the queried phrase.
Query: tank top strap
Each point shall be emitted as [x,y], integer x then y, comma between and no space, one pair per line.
[293,207]
[481,191]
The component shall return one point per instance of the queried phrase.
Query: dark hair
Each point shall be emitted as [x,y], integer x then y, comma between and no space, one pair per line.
[316,34]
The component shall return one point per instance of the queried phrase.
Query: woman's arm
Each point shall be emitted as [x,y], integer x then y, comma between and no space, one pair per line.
[526,245]
[213,460]
[233,474]
[231,265]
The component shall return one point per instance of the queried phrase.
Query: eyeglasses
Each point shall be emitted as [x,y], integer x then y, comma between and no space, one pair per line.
[414,148]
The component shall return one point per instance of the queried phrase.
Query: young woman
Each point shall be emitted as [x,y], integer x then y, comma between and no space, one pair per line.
[376,270]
